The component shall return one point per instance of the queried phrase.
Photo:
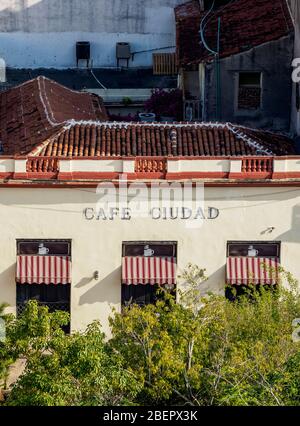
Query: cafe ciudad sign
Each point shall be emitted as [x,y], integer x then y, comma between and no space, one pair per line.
[173,201]
[156,213]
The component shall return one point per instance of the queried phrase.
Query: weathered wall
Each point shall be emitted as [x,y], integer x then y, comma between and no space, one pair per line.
[43,33]
[245,214]
[295,9]
[273,60]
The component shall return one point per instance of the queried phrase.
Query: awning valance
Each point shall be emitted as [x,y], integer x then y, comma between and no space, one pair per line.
[252,270]
[149,270]
[43,270]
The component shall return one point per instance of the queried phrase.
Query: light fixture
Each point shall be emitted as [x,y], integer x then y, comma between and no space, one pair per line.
[96,275]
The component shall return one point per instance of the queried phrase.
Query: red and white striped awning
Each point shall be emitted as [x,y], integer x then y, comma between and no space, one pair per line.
[43,270]
[252,270]
[149,270]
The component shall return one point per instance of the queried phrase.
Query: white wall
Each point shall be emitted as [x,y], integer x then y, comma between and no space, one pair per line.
[43,33]
[245,214]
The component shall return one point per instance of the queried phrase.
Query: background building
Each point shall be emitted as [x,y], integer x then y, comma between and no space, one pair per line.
[235,62]
[43,33]
[295,10]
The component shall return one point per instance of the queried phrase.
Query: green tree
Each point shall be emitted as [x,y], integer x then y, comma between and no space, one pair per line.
[209,351]
[5,358]
[77,369]
[204,350]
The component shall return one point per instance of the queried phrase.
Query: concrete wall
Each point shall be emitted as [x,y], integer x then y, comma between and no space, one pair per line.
[43,33]
[245,214]
[273,60]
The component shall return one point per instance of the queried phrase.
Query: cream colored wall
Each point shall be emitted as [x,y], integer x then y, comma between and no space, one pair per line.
[203,165]
[245,214]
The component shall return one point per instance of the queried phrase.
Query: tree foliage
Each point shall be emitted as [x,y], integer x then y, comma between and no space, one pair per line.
[209,351]
[78,369]
[204,350]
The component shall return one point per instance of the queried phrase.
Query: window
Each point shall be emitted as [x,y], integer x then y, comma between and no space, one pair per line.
[146,266]
[44,274]
[251,263]
[249,91]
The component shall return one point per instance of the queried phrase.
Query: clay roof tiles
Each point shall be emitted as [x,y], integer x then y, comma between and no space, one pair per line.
[92,139]
[244,24]
[37,109]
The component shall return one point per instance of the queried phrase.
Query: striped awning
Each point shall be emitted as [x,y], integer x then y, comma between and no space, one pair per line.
[43,270]
[252,270]
[149,270]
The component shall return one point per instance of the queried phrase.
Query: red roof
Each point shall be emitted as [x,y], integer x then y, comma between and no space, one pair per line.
[94,139]
[37,109]
[244,24]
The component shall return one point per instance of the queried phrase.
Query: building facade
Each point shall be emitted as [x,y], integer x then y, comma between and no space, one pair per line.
[295,11]
[43,33]
[235,62]
[65,216]
[96,214]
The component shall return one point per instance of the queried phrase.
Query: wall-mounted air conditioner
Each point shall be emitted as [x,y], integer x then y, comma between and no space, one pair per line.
[123,52]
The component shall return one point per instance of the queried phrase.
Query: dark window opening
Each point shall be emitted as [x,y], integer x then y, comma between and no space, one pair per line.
[56,297]
[142,295]
[249,91]
[234,292]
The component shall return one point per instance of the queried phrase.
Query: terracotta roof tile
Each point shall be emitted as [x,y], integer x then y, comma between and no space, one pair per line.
[244,25]
[89,139]
[35,110]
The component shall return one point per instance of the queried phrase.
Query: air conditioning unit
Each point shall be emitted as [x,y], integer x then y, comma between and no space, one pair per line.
[123,52]
[83,51]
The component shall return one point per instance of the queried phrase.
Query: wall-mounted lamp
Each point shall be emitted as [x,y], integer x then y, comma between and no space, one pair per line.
[269,230]
[96,275]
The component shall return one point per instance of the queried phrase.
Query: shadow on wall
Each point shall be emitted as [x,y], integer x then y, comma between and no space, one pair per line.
[8,289]
[293,235]
[215,282]
[87,196]
[108,290]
